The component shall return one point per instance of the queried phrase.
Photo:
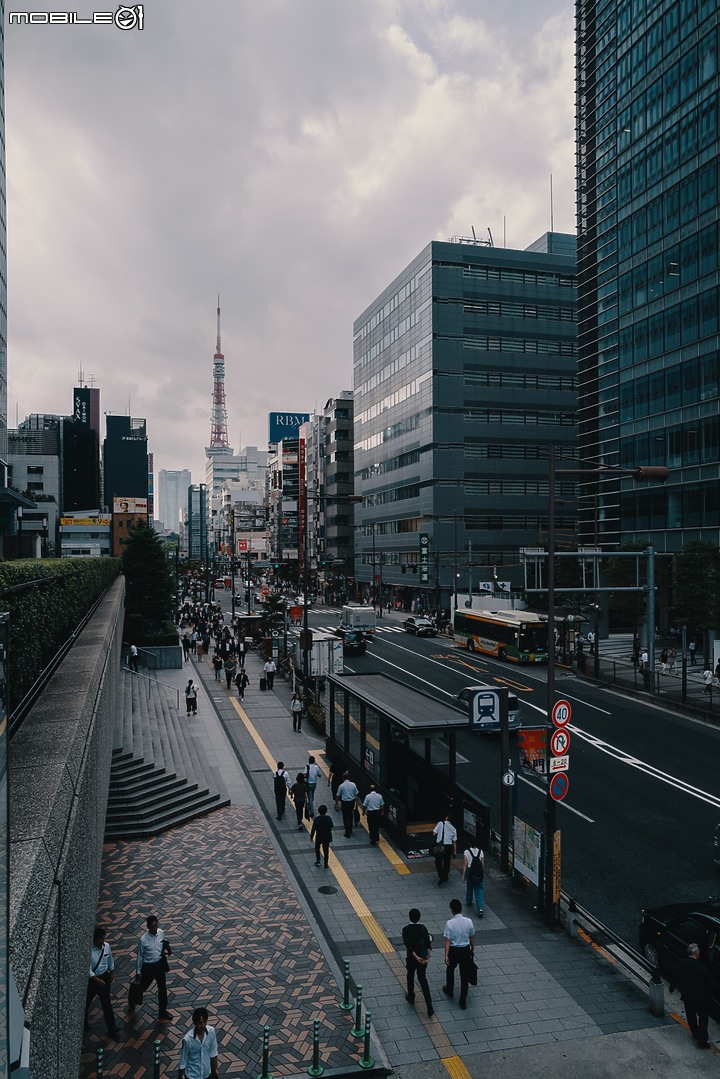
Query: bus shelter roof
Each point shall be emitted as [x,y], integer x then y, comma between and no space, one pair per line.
[416,712]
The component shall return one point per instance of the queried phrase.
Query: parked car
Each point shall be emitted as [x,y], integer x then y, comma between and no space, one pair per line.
[666,931]
[421,627]
[462,700]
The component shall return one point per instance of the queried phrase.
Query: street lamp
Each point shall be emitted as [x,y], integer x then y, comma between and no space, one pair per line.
[643,473]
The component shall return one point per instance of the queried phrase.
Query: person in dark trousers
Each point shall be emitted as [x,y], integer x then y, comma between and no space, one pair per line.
[418,946]
[346,800]
[229,667]
[299,793]
[445,834]
[459,951]
[133,658]
[281,782]
[695,983]
[269,670]
[321,832]
[100,977]
[373,806]
[296,711]
[191,698]
[241,681]
[691,649]
[151,964]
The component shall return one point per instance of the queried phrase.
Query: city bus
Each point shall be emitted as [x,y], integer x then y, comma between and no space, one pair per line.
[519,636]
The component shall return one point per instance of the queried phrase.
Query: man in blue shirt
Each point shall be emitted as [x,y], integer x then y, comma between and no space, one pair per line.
[100,978]
[199,1051]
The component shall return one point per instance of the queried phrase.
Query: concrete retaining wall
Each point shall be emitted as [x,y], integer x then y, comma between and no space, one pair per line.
[59,776]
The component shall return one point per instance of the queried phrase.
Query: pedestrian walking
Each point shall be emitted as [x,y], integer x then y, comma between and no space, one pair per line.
[296,711]
[241,652]
[151,964]
[672,665]
[346,800]
[298,793]
[100,977]
[644,657]
[269,670]
[691,649]
[185,642]
[459,938]
[191,698]
[418,946]
[241,681]
[199,1050]
[716,676]
[695,983]
[194,636]
[217,666]
[281,784]
[707,677]
[312,777]
[229,666]
[636,651]
[373,807]
[445,847]
[133,658]
[591,642]
[474,876]
[321,832]
[664,661]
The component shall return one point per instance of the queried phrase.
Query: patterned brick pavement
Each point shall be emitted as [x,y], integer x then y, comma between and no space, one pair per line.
[242,948]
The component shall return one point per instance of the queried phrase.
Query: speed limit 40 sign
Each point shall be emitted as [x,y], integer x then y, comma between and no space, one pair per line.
[561,713]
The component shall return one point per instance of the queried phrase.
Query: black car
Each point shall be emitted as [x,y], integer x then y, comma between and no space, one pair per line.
[354,642]
[665,933]
[421,627]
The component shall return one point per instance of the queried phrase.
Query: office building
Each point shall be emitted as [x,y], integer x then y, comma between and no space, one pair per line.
[196,523]
[464,373]
[125,460]
[648,209]
[172,495]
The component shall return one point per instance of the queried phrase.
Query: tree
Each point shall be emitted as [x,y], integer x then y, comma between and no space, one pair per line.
[696,578]
[149,587]
[273,613]
[628,609]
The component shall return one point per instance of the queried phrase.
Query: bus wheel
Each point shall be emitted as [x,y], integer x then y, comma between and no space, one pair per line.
[470,644]
[502,654]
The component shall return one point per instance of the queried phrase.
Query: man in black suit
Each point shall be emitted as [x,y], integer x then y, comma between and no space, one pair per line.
[694,981]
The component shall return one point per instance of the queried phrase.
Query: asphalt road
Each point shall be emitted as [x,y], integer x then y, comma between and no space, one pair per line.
[644,796]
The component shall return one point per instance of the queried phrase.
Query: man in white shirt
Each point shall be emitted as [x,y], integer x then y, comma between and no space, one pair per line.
[100,978]
[199,1051]
[151,963]
[373,806]
[346,800]
[445,834]
[312,775]
[459,951]
[269,670]
[133,658]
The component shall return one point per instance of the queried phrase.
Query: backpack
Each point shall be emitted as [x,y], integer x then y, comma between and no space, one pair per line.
[279,784]
[476,871]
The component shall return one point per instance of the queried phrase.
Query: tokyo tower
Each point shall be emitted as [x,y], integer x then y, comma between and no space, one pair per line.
[218,420]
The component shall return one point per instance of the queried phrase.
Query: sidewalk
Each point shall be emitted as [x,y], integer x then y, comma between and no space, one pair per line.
[261,934]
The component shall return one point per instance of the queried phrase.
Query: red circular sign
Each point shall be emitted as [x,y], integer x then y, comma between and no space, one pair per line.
[561,713]
[559,786]
[559,742]
[265,591]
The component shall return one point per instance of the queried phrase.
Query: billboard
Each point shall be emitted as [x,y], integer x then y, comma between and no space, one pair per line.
[130,505]
[81,405]
[286,425]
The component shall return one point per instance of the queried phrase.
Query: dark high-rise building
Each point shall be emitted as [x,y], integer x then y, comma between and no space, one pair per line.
[648,211]
[464,373]
[81,452]
[125,460]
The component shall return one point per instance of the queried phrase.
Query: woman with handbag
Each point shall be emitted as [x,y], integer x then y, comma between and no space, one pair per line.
[444,847]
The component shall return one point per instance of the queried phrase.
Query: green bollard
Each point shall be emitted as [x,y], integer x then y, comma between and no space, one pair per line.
[156,1060]
[316,1068]
[366,1061]
[358,1031]
[346,1005]
[99,1069]
[265,1074]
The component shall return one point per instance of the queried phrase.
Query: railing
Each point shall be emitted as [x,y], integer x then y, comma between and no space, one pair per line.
[149,678]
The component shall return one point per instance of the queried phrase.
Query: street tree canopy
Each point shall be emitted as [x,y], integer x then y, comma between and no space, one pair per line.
[696,579]
[149,587]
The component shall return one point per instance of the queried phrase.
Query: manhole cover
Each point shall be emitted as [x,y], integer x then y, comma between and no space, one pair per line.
[327,889]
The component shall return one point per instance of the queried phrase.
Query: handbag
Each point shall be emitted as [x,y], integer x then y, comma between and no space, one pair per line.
[135,995]
[438,849]
[472,972]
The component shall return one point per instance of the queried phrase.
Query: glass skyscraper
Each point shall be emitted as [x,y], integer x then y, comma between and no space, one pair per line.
[649,359]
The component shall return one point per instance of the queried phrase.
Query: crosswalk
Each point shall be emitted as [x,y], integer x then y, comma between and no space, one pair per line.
[331,627]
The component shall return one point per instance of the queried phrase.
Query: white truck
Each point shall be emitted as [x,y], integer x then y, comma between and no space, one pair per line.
[354,616]
[325,654]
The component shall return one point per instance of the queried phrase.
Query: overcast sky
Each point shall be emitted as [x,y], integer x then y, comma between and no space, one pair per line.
[292,155]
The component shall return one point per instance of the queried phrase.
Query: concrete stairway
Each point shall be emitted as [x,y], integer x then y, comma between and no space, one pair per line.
[160,776]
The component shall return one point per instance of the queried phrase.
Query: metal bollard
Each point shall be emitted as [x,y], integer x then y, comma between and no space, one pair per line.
[346,1005]
[366,1061]
[656,994]
[99,1069]
[265,1074]
[316,1068]
[156,1059]
[572,919]
[358,1030]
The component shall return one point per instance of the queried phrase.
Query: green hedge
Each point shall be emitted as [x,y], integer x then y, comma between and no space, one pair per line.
[43,617]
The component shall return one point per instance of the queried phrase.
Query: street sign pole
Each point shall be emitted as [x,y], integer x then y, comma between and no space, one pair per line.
[504,788]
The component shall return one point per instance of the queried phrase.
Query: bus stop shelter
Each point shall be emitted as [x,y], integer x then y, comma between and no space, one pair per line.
[404,742]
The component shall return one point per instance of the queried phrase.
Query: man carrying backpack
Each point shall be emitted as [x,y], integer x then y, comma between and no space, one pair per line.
[474,876]
[281,782]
